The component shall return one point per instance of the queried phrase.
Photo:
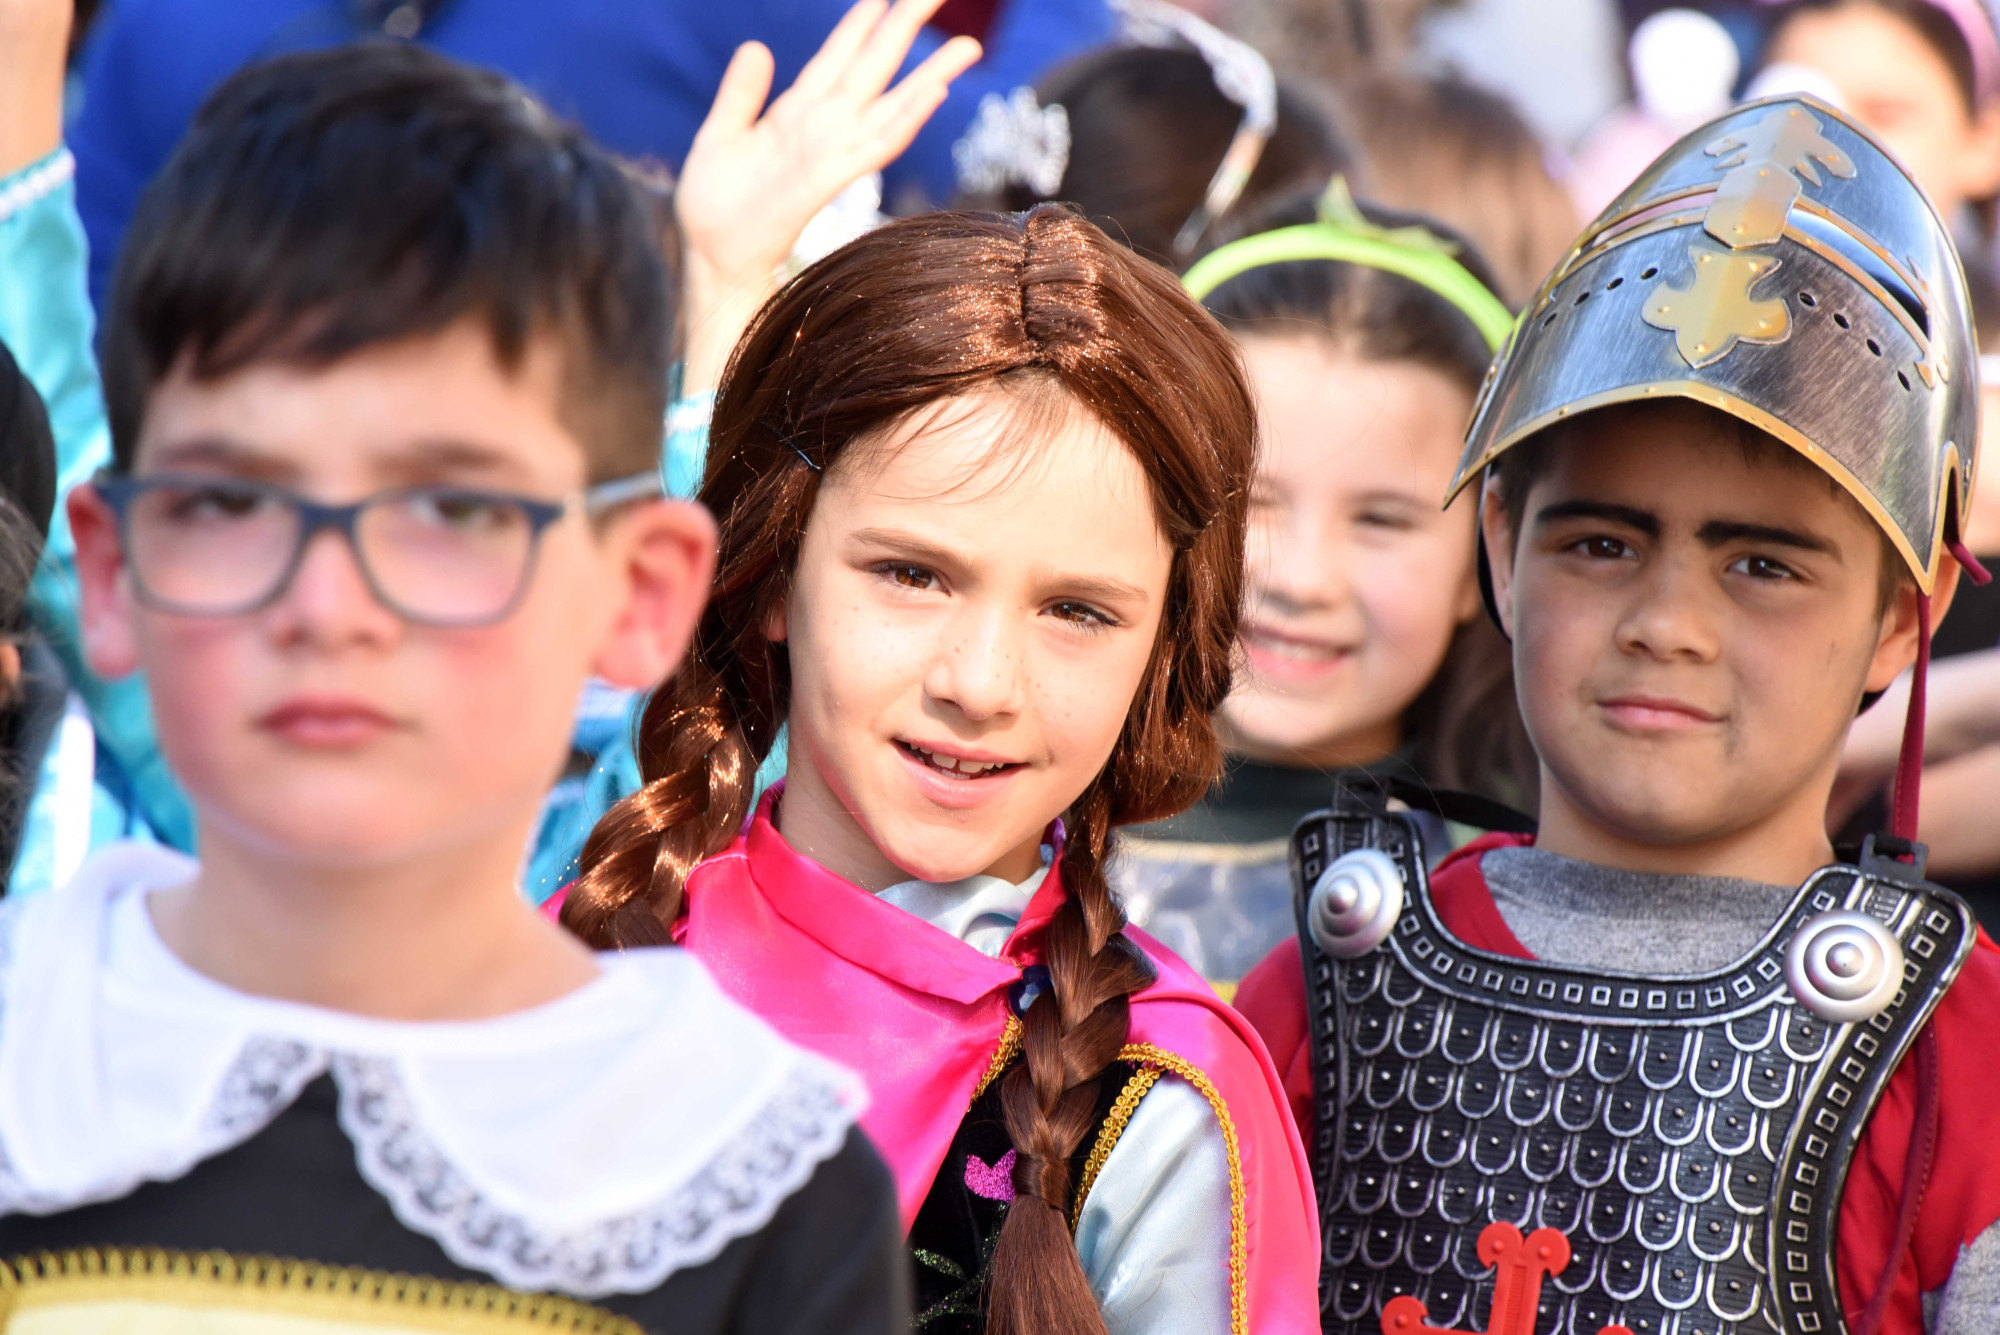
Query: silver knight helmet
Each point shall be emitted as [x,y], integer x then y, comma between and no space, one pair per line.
[1778,265]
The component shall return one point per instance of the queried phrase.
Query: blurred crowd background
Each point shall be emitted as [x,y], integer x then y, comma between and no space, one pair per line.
[1510,120]
[1506,123]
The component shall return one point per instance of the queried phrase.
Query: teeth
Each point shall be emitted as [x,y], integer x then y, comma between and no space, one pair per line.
[969,768]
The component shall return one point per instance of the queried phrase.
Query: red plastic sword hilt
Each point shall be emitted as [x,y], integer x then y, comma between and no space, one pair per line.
[1519,1265]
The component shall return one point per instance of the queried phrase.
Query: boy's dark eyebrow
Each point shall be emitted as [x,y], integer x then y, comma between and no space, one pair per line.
[430,459]
[1643,521]
[909,544]
[1721,532]
[222,452]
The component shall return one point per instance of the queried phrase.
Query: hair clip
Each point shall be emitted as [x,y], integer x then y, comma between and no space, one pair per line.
[1241,74]
[1338,209]
[1014,139]
[804,458]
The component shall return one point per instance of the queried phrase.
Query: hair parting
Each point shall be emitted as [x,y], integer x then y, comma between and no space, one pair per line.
[910,316]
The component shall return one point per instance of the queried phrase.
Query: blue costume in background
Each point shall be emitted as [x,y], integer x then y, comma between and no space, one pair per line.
[638,74]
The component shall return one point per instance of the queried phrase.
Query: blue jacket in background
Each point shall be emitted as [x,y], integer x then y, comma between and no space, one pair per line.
[638,74]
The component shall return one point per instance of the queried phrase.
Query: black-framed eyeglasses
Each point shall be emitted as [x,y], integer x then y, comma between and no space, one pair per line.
[209,546]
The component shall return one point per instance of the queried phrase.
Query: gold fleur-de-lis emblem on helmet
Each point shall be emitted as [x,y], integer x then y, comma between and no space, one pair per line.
[1769,163]
[1716,311]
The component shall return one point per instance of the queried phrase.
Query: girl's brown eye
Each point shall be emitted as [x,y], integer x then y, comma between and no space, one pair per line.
[911,577]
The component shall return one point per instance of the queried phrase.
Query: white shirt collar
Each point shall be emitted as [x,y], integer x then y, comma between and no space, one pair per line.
[119,1065]
[981,911]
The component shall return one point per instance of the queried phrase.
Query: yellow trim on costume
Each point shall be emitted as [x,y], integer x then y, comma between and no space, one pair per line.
[1003,1057]
[302,1290]
[1145,1054]
[1115,1122]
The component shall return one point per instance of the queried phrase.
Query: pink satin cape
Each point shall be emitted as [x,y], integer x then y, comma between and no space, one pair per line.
[921,1015]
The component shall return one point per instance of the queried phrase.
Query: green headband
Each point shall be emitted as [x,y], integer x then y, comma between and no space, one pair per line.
[1342,234]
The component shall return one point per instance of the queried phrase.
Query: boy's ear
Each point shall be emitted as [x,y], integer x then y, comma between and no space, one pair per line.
[104,612]
[1498,533]
[668,548]
[1896,645]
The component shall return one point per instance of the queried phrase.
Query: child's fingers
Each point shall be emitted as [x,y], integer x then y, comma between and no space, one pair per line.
[903,110]
[887,47]
[947,62]
[893,120]
[745,84]
[828,66]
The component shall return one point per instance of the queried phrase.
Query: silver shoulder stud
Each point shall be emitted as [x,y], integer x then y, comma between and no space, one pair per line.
[1844,966]
[1355,903]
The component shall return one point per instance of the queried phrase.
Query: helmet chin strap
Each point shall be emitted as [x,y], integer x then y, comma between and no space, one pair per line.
[1910,762]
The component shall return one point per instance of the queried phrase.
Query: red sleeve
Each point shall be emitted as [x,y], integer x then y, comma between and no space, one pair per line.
[1962,1192]
[1272,997]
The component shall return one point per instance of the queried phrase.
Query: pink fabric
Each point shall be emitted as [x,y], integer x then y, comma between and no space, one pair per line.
[920,1015]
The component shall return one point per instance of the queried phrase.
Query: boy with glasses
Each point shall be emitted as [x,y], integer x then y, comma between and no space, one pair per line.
[385,366]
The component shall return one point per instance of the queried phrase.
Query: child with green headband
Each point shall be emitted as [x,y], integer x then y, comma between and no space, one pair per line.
[1367,337]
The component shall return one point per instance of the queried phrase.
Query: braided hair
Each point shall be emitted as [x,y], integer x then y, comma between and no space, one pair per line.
[912,314]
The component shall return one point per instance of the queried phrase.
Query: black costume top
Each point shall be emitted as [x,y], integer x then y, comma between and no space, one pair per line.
[641,1155]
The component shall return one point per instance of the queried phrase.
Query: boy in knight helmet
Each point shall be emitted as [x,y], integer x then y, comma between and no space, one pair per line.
[1669,1065]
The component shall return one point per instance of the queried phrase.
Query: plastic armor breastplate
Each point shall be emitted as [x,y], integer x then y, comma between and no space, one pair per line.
[1690,1136]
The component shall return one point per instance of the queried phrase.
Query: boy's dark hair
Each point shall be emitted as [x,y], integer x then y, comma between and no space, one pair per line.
[334,200]
[1517,471]
[1147,127]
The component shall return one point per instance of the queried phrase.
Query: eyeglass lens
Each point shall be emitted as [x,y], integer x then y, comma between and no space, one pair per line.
[433,554]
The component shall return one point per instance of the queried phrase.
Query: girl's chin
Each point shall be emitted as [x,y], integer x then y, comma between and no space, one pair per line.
[924,860]
[1279,735]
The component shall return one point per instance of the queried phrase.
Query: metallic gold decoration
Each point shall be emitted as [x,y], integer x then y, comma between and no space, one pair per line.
[1766,162]
[1110,1133]
[117,1288]
[1841,268]
[1146,1054]
[1715,312]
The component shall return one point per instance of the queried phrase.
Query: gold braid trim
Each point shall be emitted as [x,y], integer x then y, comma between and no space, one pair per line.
[298,1288]
[1003,1056]
[1121,1112]
[1145,1054]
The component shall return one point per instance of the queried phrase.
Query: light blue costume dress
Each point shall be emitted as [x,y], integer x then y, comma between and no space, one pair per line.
[103,777]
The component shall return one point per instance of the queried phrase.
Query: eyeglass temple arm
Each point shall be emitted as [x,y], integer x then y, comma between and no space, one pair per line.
[623,491]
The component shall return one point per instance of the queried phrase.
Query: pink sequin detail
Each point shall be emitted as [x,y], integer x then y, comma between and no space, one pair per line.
[993,1181]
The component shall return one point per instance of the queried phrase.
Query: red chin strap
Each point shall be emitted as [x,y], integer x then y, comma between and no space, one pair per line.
[1910,763]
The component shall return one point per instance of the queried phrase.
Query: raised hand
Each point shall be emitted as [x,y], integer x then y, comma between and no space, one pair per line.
[756,175]
[34,43]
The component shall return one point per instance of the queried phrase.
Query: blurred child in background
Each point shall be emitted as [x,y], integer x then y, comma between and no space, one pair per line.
[1164,142]
[1445,149]
[1923,76]
[33,775]
[1367,336]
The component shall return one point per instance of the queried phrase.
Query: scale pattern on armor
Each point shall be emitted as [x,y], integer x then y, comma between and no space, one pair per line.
[1684,1133]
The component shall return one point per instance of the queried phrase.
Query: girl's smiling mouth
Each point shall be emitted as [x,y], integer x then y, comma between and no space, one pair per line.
[1277,654]
[956,764]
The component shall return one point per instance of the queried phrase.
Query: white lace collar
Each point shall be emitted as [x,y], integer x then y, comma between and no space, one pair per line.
[593,1145]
